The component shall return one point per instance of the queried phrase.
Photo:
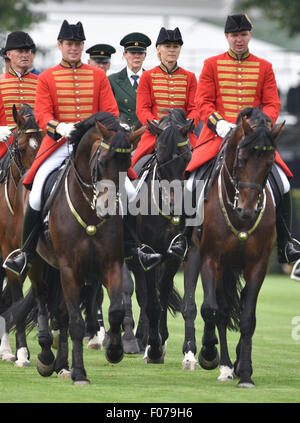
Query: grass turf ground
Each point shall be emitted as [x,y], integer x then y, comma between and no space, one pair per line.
[275,358]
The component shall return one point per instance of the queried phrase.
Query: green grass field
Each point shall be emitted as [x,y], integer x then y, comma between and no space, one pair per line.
[276,363]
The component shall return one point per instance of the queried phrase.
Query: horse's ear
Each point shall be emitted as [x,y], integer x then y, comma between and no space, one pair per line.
[135,136]
[189,127]
[103,130]
[15,113]
[246,126]
[154,128]
[276,130]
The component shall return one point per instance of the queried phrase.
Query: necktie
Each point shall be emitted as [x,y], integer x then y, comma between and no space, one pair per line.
[135,78]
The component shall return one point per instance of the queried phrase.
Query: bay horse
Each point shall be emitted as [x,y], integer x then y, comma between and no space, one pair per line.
[158,226]
[19,157]
[86,232]
[238,235]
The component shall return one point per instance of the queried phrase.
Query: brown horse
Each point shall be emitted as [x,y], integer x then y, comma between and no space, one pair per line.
[86,231]
[20,155]
[238,235]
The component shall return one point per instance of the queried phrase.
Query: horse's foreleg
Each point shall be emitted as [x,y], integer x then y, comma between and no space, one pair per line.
[208,356]
[168,296]
[61,362]
[130,343]
[71,289]
[247,327]
[189,309]
[113,283]
[142,330]
[154,351]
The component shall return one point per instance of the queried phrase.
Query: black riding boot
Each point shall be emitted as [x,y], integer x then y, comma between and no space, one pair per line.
[180,243]
[285,243]
[147,259]
[30,235]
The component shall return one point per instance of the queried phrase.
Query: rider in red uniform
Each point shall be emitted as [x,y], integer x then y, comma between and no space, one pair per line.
[164,87]
[229,83]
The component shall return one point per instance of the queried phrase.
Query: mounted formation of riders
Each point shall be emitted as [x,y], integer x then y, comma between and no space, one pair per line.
[72,91]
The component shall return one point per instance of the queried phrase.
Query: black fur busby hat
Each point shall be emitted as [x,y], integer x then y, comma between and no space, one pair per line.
[18,40]
[71,32]
[101,52]
[169,36]
[237,23]
[135,42]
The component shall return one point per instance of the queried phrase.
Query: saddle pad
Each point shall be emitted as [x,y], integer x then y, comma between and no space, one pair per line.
[51,186]
[276,185]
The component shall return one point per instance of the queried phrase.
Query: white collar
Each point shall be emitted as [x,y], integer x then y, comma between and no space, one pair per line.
[129,73]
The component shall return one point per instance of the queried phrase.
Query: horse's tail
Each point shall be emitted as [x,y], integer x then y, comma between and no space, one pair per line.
[26,310]
[174,302]
[22,310]
[232,290]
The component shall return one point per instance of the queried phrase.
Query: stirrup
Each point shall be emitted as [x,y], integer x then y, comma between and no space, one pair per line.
[19,251]
[294,272]
[169,250]
[294,242]
[151,251]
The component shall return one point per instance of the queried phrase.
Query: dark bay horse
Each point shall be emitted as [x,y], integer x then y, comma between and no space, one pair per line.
[19,157]
[159,224]
[86,231]
[238,235]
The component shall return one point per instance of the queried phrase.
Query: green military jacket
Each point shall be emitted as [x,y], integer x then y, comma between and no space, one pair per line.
[125,96]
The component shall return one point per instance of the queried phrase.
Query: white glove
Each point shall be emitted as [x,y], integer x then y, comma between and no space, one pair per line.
[65,129]
[5,133]
[223,127]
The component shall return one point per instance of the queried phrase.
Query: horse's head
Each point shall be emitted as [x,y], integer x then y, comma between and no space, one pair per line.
[172,147]
[105,145]
[251,149]
[172,153]
[27,137]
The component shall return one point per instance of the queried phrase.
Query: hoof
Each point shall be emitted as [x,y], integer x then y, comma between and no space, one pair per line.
[22,358]
[64,374]
[189,362]
[226,374]
[7,356]
[154,360]
[246,385]
[114,351]
[131,346]
[81,382]
[44,369]
[209,364]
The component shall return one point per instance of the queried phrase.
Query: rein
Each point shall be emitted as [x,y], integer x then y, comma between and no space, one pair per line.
[175,220]
[90,229]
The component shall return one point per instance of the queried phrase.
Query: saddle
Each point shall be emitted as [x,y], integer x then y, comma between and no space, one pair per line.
[143,164]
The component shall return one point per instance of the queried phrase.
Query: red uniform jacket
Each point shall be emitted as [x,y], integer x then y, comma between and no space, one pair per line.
[226,86]
[14,90]
[66,94]
[159,90]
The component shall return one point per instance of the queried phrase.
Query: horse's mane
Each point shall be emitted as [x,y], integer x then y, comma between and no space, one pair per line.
[261,137]
[107,119]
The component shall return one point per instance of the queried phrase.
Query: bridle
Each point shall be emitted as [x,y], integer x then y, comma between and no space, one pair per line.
[156,176]
[95,166]
[16,157]
[237,185]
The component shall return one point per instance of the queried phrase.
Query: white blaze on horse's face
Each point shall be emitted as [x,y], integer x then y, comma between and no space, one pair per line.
[33,143]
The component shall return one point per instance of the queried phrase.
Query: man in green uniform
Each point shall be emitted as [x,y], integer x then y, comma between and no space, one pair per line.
[124,83]
[100,56]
